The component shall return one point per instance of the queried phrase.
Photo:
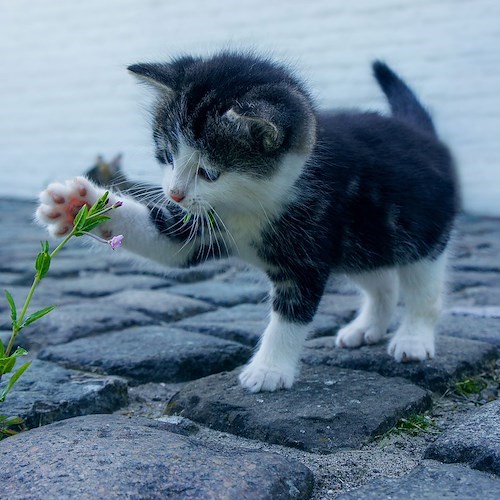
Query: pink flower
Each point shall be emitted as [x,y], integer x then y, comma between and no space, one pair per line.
[115,241]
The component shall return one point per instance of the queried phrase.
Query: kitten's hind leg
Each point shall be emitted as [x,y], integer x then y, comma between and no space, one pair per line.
[380,298]
[422,286]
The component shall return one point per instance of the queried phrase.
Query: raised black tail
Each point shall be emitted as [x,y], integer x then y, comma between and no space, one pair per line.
[404,104]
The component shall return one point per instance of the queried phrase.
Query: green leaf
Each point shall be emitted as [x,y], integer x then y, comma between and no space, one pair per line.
[7,364]
[13,310]
[81,217]
[37,315]
[12,420]
[94,222]
[2,349]
[100,204]
[42,264]
[45,246]
[186,218]
[13,380]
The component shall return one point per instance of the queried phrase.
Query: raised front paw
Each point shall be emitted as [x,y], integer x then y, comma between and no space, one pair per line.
[60,203]
[258,376]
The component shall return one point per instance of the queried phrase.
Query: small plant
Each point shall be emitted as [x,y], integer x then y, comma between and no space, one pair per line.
[470,385]
[86,220]
[413,426]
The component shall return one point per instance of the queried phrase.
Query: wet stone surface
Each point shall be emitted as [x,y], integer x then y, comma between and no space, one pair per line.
[429,481]
[326,410]
[150,354]
[86,319]
[118,457]
[127,335]
[47,392]
[475,441]
[455,358]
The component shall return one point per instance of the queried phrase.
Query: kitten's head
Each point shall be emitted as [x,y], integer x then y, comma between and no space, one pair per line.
[233,130]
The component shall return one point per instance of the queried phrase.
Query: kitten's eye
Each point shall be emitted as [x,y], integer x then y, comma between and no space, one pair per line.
[168,157]
[209,176]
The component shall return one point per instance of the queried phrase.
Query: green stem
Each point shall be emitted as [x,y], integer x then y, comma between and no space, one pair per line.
[36,281]
[16,327]
[63,242]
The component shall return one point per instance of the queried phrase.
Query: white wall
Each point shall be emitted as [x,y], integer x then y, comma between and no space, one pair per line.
[65,95]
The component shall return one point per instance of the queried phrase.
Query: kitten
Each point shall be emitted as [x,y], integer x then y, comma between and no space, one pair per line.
[252,169]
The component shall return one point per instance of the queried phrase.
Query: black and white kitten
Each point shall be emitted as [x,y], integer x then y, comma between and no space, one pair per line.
[252,169]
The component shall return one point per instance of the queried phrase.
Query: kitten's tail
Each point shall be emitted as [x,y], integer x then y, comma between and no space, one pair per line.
[404,104]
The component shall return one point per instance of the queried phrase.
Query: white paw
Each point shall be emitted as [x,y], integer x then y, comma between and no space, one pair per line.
[60,203]
[357,333]
[412,346]
[258,376]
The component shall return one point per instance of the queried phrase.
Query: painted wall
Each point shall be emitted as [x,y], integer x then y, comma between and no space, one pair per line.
[65,95]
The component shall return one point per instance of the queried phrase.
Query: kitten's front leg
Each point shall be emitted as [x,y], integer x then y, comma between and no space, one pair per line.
[60,202]
[275,364]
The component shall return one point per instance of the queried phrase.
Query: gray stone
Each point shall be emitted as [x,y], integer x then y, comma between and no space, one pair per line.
[455,358]
[47,392]
[326,410]
[223,294]
[431,481]
[462,280]
[95,286]
[477,311]
[245,322]
[158,304]
[74,321]
[486,329]
[149,400]
[478,263]
[150,354]
[105,456]
[334,312]
[73,264]
[244,332]
[477,296]
[5,337]
[475,441]
[8,279]
[44,296]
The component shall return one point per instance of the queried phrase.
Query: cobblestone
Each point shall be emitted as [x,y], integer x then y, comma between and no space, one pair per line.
[118,457]
[126,336]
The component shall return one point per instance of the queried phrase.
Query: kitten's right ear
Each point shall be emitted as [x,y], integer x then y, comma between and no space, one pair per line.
[160,76]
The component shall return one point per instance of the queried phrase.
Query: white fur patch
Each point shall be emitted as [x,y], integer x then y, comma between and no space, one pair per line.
[275,365]
[380,297]
[422,286]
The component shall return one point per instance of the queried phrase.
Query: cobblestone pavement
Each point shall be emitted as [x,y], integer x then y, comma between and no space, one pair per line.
[133,388]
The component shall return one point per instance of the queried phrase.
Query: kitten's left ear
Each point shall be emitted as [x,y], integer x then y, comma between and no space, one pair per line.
[260,127]
[160,76]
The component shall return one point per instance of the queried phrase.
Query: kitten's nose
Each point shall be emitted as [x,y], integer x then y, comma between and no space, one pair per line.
[177,195]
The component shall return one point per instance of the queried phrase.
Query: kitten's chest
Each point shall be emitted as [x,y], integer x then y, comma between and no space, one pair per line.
[244,234]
